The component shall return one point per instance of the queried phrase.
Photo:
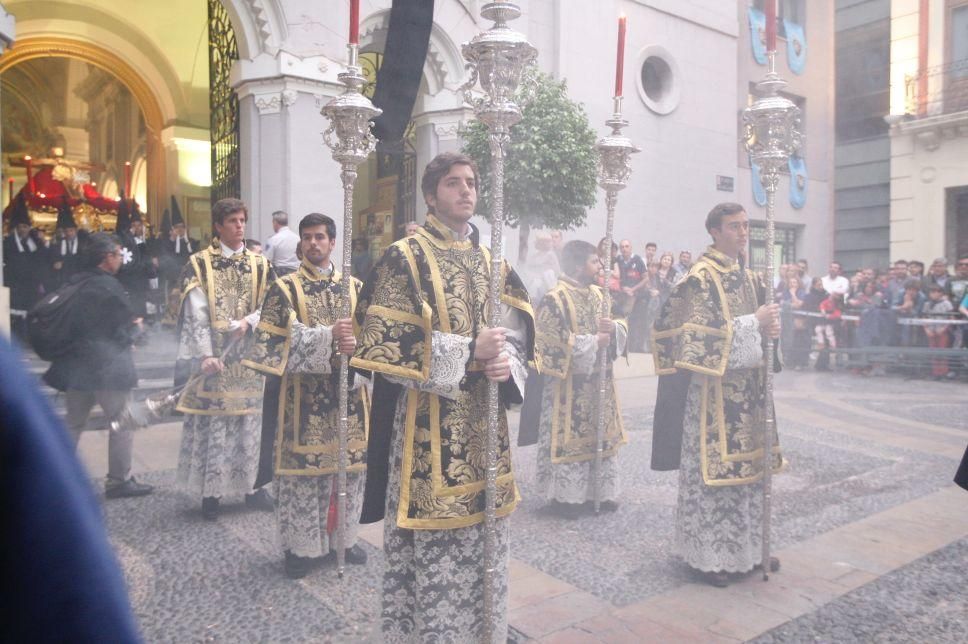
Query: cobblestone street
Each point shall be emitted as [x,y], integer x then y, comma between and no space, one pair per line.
[872,535]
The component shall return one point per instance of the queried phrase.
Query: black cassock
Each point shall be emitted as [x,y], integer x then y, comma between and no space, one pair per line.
[135,272]
[172,257]
[68,255]
[23,270]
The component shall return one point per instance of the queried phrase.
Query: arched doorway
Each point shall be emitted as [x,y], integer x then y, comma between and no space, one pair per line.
[36,47]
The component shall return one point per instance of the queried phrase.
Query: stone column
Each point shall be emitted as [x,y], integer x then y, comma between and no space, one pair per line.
[7,34]
[285,164]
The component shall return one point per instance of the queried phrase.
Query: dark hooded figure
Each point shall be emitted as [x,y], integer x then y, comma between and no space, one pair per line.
[24,258]
[178,245]
[64,254]
[137,268]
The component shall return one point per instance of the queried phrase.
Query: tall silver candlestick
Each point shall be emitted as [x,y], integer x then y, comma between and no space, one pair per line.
[497,58]
[349,115]
[771,136]
[614,168]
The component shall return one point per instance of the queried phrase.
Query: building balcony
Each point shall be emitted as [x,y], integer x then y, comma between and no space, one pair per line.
[937,91]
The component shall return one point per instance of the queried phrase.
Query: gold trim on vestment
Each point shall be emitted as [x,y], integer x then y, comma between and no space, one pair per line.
[712,388]
[291,287]
[406,475]
[563,297]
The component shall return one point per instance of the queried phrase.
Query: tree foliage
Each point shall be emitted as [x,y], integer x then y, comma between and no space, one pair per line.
[550,170]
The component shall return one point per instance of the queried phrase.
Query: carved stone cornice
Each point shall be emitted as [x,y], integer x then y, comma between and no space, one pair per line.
[931,132]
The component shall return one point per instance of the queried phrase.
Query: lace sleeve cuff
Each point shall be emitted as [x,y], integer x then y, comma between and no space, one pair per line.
[448,364]
[747,348]
[621,339]
[311,350]
[585,353]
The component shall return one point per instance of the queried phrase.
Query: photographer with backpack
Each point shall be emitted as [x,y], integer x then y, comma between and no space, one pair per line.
[87,329]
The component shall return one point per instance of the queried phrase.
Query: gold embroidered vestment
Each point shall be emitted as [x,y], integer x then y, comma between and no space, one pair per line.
[425,283]
[568,310]
[307,439]
[695,332]
[234,288]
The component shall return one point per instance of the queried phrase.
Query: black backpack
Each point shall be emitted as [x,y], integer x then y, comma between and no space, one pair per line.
[50,323]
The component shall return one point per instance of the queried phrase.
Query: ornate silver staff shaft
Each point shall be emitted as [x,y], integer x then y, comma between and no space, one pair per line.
[349,116]
[614,154]
[497,57]
[771,138]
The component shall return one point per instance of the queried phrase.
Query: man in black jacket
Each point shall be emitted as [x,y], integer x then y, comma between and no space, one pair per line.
[99,369]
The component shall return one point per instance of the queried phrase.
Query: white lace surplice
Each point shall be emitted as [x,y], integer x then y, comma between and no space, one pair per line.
[302,502]
[719,528]
[433,581]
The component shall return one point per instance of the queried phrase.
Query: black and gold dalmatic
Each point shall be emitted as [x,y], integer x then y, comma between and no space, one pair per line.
[425,283]
[695,333]
[234,287]
[567,311]
[307,420]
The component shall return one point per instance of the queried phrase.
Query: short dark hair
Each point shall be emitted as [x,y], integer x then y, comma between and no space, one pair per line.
[652,244]
[834,261]
[438,168]
[715,217]
[252,243]
[915,262]
[574,254]
[912,283]
[900,261]
[228,206]
[314,219]
[99,246]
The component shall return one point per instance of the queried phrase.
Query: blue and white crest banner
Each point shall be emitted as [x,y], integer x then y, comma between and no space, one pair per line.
[758,35]
[798,181]
[796,46]
[759,194]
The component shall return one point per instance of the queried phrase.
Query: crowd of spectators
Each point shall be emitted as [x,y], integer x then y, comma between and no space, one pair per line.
[905,305]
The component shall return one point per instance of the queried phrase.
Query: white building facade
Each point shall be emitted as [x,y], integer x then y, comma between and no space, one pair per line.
[929,129]
[688,128]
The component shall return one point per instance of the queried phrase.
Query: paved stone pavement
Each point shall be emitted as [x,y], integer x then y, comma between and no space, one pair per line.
[872,534]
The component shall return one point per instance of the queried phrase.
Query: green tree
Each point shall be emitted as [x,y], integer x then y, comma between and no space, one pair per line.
[550,171]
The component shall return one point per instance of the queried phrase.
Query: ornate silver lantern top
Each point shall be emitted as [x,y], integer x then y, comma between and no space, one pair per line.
[349,115]
[771,123]
[614,153]
[498,58]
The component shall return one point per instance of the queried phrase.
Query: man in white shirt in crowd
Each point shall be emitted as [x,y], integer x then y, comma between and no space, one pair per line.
[281,247]
[835,283]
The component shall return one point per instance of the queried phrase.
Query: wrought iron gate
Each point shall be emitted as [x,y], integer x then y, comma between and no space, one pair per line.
[223,50]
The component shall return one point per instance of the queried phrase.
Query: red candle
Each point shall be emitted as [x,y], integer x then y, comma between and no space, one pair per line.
[127,179]
[770,25]
[30,174]
[354,22]
[620,55]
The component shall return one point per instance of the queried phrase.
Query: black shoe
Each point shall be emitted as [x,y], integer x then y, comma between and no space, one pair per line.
[774,565]
[260,500]
[355,555]
[128,488]
[298,567]
[717,579]
[609,506]
[210,508]
[567,510]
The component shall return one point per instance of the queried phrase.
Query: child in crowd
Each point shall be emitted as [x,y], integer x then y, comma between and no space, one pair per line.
[939,335]
[825,332]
